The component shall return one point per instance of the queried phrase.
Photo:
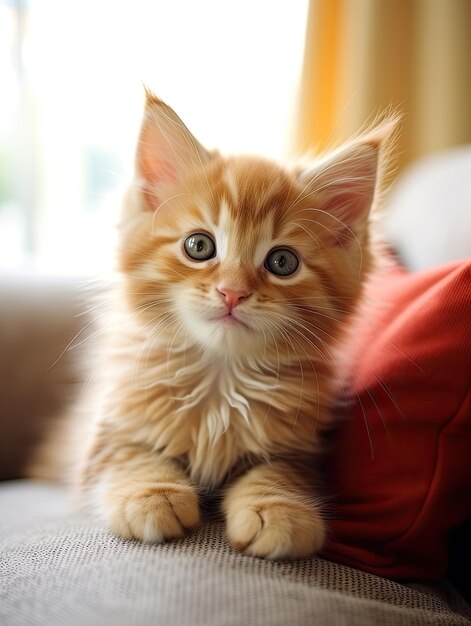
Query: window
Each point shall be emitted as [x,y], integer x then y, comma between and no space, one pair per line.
[71,78]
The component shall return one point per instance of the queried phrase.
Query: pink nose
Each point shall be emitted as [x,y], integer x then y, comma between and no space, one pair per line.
[233,297]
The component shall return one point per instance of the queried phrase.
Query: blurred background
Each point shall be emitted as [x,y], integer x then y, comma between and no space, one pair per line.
[276,77]
[273,77]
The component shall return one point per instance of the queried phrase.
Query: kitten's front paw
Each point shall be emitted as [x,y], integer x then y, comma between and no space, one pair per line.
[275,530]
[152,512]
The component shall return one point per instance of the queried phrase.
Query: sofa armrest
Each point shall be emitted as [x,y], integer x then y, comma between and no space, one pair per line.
[37,321]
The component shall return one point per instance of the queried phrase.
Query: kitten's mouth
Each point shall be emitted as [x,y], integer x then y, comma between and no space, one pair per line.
[230,319]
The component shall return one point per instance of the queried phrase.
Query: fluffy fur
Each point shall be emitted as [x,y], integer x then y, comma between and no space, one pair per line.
[198,397]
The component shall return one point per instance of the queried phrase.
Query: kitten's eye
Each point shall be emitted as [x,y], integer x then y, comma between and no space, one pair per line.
[282,262]
[200,247]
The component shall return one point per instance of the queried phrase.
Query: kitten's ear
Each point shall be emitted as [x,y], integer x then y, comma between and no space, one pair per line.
[343,183]
[166,149]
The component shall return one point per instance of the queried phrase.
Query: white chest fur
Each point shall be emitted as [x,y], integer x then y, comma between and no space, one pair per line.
[216,417]
[211,412]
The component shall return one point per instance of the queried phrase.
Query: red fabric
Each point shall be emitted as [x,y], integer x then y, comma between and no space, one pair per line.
[401,471]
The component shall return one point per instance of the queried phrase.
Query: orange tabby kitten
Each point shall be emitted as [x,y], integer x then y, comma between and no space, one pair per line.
[237,276]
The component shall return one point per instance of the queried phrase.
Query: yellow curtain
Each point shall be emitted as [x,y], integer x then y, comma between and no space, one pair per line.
[362,56]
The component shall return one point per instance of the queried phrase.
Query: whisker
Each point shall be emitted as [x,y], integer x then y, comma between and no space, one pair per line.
[72,341]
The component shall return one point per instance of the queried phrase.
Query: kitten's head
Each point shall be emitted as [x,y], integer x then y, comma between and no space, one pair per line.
[239,255]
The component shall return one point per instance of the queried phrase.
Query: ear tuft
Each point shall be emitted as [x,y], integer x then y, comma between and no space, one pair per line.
[150,96]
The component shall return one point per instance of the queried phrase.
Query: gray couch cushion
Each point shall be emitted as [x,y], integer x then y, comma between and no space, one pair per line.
[58,569]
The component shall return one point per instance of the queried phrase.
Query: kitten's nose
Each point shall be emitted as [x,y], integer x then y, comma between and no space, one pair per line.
[233,297]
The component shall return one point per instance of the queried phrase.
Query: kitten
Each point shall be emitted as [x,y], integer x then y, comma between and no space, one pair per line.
[237,277]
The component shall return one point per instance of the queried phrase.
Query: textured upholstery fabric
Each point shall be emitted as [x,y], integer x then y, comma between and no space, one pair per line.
[60,570]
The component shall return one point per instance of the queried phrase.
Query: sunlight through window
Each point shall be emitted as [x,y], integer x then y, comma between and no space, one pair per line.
[71,80]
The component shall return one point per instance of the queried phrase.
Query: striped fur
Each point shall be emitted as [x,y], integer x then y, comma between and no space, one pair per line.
[195,402]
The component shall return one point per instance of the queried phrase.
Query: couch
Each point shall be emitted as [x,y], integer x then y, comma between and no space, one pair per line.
[59,568]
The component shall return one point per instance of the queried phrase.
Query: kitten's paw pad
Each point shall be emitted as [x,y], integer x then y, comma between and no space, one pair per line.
[153,513]
[275,531]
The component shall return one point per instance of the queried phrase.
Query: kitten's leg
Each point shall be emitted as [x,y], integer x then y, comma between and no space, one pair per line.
[142,495]
[271,512]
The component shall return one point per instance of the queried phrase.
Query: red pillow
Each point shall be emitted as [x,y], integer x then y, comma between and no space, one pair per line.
[401,470]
